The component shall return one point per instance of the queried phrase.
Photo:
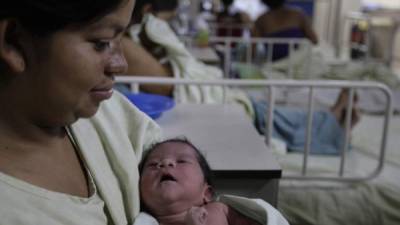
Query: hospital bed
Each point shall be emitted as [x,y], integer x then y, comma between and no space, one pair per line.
[238,51]
[304,62]
[271,87]
[354,178]
[253,58]
[330,60]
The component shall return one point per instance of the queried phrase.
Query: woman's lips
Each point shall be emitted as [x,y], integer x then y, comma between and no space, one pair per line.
[101,94]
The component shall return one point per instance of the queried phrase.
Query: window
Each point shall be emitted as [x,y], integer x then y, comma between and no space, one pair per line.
[386,4]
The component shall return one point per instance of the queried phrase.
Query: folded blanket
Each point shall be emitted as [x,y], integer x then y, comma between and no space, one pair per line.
[290,126]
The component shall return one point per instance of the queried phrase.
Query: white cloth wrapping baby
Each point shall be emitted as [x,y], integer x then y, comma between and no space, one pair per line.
[256,209]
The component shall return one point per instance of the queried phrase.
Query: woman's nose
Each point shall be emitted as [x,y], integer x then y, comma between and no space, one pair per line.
[117,63]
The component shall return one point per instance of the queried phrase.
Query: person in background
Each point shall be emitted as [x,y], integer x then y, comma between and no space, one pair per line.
[232,22]
[69,144]
[282,21]
[146,58]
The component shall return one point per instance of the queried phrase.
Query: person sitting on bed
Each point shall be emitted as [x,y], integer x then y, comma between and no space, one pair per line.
[229,18]
[144,58]
[176,187]
[282,21]
[289,124]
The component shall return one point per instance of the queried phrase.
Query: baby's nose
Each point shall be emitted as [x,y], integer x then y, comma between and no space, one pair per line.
[167,163]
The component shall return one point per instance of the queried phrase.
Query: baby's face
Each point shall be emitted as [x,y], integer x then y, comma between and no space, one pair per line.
[172,177]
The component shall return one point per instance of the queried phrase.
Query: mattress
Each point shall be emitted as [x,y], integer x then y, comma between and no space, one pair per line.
[376,201]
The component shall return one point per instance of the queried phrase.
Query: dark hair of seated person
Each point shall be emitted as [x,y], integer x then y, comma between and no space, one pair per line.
[144,6]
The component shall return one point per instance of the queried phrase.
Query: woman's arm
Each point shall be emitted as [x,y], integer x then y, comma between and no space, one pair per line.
[142,63]
[307,28]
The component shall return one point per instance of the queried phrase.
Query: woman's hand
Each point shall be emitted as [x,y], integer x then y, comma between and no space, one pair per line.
[196,216]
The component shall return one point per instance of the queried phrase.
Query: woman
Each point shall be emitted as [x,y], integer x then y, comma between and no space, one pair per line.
[57,63]
[142,60]
[282,21]
[67,156]
[230,19]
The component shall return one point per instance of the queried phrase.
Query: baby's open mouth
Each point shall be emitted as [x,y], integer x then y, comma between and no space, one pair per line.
[167,177]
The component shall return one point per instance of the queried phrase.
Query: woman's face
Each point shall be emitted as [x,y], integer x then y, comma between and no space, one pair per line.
[71,72]
[172,179]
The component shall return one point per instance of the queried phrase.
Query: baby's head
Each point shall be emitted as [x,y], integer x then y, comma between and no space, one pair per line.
[205,167]
[174,175]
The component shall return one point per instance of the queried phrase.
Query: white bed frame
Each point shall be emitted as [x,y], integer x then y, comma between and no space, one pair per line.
[271,86]
[227,43]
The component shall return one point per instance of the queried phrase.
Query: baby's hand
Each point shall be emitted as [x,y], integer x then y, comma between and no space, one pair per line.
[196,216]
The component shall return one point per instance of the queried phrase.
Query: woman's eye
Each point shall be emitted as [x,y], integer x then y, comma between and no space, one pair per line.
[101,45]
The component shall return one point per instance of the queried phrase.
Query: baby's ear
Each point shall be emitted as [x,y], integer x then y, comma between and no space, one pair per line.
[208,194]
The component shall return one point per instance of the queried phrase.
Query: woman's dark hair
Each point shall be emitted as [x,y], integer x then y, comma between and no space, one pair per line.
[43,17]
[273,4]
[205,167]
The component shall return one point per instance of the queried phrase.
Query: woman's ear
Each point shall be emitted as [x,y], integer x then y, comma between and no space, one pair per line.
[10,48]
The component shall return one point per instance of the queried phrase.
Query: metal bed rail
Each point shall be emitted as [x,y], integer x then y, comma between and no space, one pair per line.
[271,85]
[254,47]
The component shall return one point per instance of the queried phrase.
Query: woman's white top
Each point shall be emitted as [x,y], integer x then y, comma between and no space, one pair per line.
[24,203]
[111,144]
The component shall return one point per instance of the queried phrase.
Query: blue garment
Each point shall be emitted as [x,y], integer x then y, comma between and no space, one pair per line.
[280,51]
[123,88]
[290,126]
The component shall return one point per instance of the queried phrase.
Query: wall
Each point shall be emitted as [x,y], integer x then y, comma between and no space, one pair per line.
[330,22]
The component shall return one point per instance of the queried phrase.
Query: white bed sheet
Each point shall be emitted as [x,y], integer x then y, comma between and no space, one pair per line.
[319,63]
[375,201]
[363,156]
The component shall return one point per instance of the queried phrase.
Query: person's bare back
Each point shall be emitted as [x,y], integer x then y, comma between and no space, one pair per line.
[281,18]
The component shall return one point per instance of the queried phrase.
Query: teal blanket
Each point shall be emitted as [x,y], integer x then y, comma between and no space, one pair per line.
[290,126]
